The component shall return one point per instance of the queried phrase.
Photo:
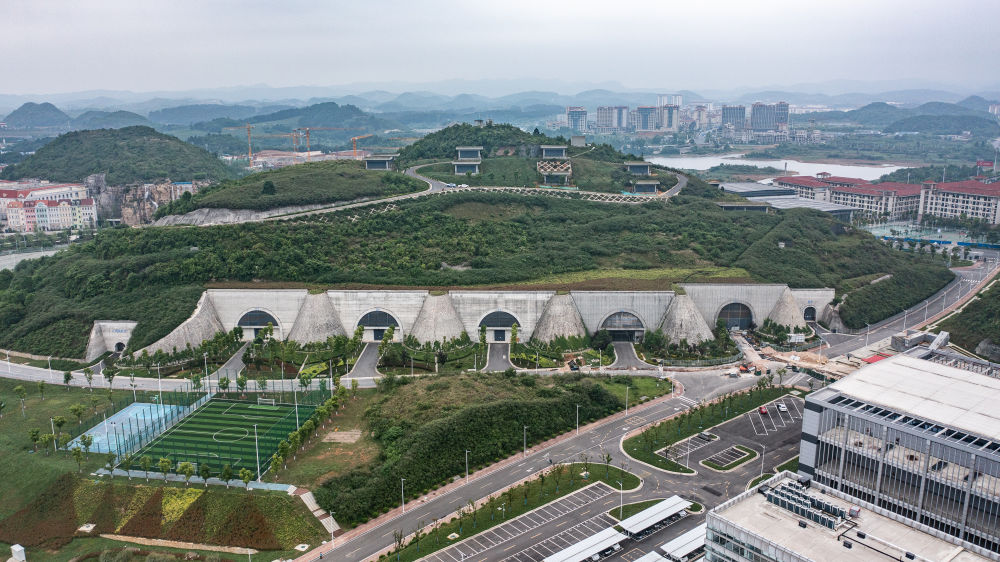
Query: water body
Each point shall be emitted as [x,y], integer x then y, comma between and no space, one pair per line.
[802,168]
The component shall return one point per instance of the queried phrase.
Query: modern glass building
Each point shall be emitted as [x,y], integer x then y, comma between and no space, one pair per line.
[916,440]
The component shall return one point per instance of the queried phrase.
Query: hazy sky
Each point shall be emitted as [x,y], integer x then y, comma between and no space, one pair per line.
[59,46]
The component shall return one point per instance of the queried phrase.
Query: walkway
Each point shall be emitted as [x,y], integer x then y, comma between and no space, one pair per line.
[626,358]
[498,358]
[365,370]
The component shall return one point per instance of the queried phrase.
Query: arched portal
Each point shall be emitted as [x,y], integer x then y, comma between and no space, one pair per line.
[119,347]
[498,326]
[624,326]
[736,315]
[376,323]
[809,314]
[256,320]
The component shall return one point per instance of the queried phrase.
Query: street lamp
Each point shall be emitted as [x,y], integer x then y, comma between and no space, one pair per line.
[467,466]
[578,419]
[402,497]
[257,450]
[621,495]
[626,400]
[205,356]
[868,331]
[763,449]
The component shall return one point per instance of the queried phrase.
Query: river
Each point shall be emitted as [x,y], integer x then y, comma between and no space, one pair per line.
[801,168]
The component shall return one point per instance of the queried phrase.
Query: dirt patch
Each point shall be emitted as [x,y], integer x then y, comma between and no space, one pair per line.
[179,544]
[347,436]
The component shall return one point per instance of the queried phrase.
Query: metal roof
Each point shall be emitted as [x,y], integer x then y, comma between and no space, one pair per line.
[686,543]
[952,397]
[588,547]
[793,202]
[651,557]
[654,514]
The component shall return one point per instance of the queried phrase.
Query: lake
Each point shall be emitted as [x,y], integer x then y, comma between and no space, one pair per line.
[802,168]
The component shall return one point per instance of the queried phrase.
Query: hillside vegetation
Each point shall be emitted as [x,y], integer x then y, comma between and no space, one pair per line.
[128,155]
[108,120]
[304,184]
[154,275]
[945,125]
[978,321]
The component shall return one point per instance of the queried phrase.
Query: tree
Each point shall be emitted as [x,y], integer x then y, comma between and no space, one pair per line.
[241,383]
[294,440]
[472,511]
[354,388]
[109,375]
[21,394]
[268,188]
[67,376]
[164,464]
[78,457]
[127,461]
[46,439]
[513,333]
[205,472]
[109,461]
[397,539]
[246,476]
[187,469]
[88,374]
[34,434]
[78,410]
[261,383]
[482,336]
[146,462]
[226,474]
[2,406]
[224,384]
[781,374]
[196,381]
[87,440]
[283,449]
[59,422]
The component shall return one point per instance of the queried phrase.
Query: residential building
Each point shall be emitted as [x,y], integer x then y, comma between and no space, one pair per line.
[31,216]
[890,200]
[969,198]
[735,115]
[763,117]
[612,118]
[784,519]
[647,118]
[35,190]
[914,438]
[576,118]
[669,99]
[669,118]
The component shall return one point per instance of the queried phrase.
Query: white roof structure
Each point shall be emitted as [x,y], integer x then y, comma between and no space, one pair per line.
[650,557]
[686,543]
[588,547]
[654,514]
[949,396]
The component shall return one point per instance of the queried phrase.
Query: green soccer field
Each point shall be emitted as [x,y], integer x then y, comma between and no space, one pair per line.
[222,432]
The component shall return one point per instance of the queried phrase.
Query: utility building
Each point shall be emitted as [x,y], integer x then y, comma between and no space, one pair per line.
[638,168]
[915,439]
[384,162]
[468,161]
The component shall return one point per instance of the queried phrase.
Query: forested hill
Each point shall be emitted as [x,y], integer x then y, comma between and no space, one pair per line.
[155,275]
[32,115]
[128,155]
[441,144]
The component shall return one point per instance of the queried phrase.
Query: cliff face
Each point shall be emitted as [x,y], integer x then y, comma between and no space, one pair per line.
[138,203]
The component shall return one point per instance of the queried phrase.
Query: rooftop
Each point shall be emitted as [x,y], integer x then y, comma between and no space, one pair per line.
[637,163]
[804,181]
[468,148]
[880,538]
[793,202]
[879,188]
[842,179]
[971,187]
[552,146]
[753,187]
[654,514]
[952,397]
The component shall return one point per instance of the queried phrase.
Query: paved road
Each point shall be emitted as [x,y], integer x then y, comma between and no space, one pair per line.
[366,368]
[626,358]
[498,358]
[606,435]
[965,281]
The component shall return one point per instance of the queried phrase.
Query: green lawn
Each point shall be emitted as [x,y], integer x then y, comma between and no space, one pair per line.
[80,548]
[791,465]
[511,504]
[638,387]
[642,446]
[503,171]
[759,479]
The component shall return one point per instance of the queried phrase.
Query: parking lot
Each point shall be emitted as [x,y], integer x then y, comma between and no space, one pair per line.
[515,528]
[563,540]
[779,415]
[687,446]
[724,457]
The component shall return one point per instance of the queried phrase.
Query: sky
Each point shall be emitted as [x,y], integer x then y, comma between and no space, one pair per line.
[55,46]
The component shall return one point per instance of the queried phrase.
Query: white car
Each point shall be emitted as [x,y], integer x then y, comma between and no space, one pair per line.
[449,185]
[782,408]
[464,185]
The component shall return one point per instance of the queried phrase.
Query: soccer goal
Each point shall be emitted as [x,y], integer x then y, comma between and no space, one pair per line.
[267,401]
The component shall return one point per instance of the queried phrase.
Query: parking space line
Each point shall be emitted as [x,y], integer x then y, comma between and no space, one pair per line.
[755,422]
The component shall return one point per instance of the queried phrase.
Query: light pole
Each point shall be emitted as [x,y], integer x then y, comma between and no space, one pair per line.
[50,367]
[905,312]
[257,450]
[626,400]
[868,331]
[578,419]
[926,304]
[402,497]
[8,362]
[525,441]
[621,496]
[763,450]
[466,466]
[205,356]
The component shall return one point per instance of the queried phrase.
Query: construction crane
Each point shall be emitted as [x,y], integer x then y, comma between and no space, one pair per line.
[249,147]
[307,129]
[293,136]
[354,143]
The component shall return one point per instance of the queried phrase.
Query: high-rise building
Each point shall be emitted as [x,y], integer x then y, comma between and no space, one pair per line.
[576,118]
[669,118]
[647,118]
[781,113]
[669,99]
[612,117]
[735,115]
[914,438]
[763,117]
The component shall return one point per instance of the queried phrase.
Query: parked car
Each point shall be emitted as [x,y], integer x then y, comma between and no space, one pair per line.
[762,410]
[463,185]
[449,185]
[782,408]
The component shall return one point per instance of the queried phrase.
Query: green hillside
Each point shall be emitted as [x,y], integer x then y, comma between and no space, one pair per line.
[108,120]
[312,183]
[131,154]
[31,115]
[945,125]
[881,114]
[978,321]
[153,276]
[187,114]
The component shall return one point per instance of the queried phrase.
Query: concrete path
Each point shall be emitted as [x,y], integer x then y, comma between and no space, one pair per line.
[499,358]
[627,360]
[365,370]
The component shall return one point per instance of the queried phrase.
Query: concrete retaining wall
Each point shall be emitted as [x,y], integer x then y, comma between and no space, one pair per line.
[106,335]
[649,306]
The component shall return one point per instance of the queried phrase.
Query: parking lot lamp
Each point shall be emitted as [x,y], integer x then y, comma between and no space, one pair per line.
[621,496]
[466,466]
[257,450]
[525,441]
[763,449]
